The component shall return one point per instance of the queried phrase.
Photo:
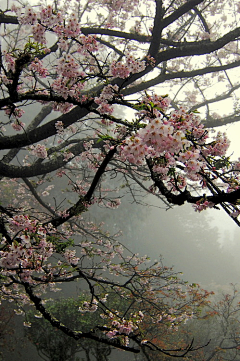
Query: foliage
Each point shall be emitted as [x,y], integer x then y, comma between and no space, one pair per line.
[217,327]
[172,309]
[54,344]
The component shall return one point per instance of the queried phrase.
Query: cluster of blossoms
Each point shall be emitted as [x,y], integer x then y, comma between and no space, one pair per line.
[62,107]
[39,150]
[9,60]
[121,5]
[122,328]
[72,75]
[107,95]
[67,84]
[70,257]
[37,66]
[20,222]
[17,125]
[114,203]
[68,155]
[72,28]
[236,164]
[46,191]
[25,258]
[202,205]
[70,79]
[28,253]
[177,143]
[88,44]
[59,126]
[4,80]
[132,65]
[171,320]
[68,67]
[15,113]
[45,18]
[89,306]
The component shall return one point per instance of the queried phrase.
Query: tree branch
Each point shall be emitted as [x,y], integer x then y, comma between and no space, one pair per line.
[12,171]
[82,203]
[76,335]
[157,30]
[185,8]
[179,75]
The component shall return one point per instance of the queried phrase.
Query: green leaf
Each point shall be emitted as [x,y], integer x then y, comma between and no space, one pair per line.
[105,137]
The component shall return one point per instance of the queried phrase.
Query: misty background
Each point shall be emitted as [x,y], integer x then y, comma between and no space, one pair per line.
[204,247]
[191,242]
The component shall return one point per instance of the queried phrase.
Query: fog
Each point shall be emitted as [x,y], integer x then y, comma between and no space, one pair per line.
[191,242]
[203,247]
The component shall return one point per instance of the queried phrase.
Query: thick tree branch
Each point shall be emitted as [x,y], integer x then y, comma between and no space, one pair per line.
[43,132]
[76,335]
[185,196]
[8,19]
[117,34]
[179,75]
[12,171]
[195,49]
[185,8]
[157,30]
[187,49]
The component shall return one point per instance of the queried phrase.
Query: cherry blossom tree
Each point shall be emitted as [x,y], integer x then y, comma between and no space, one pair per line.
[55,345]
[76,67]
